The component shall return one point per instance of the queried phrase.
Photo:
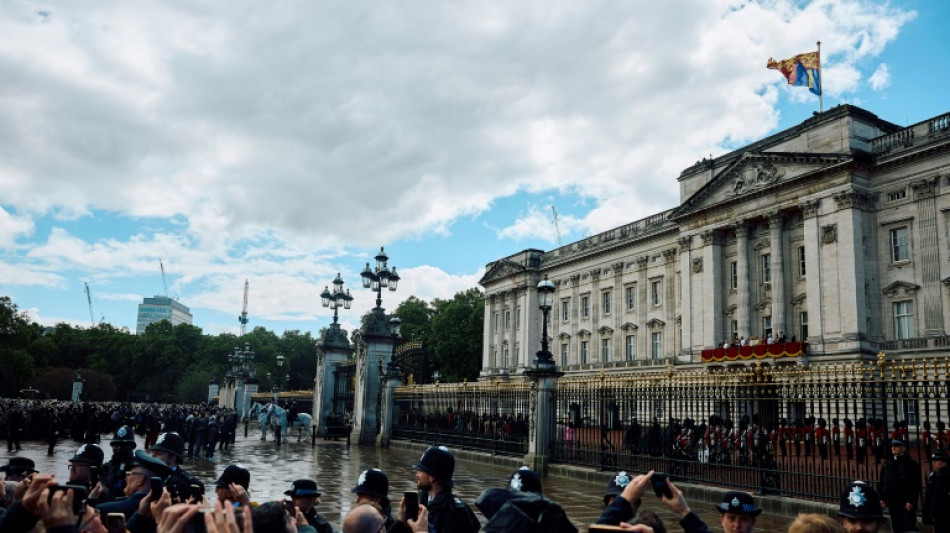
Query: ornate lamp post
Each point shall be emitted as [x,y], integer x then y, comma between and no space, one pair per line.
[335,299]
[545,300]
[381,277]
[277,380]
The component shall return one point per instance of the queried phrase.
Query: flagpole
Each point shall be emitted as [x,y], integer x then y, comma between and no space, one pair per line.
[821,82]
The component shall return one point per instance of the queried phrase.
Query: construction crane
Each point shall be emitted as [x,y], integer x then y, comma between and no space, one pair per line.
[92,318]
[164,281]
[557,227]
[243,318]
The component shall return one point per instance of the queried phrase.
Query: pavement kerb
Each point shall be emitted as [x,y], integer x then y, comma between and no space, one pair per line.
[770,505]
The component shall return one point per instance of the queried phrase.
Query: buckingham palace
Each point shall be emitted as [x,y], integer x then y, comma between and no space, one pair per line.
[825,242]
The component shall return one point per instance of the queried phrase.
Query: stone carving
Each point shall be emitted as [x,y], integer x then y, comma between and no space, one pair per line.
[709,237]
[755,176]
[617,268]
[670,254]
[925,188]
[595,274]
[575,279]
[685,242]
[809,208]
[742,228]
[642,261]
[655,323]
[697,265]
[900,288]
[829,233]
[855,199]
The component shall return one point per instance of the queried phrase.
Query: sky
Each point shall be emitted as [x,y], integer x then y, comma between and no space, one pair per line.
[285,142]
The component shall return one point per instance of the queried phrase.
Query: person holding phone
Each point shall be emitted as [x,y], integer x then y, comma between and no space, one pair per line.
[138,484]
[304,496]
[446,513]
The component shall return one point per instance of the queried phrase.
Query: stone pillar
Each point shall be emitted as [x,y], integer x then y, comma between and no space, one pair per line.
[77,388]
[686,291]
[487,332]
[333,350]
[213,389]
[531,327]
[669,302]
[712,283]
[744,307]
[813,273]
[846,238]
[388,406]
[643,288]
[378,350]
[543,423]
[931,288]
[779,299]
[247,391]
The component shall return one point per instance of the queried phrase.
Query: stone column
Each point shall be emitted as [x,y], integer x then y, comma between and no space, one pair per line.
[846,239]
[779,299]
[617,310]
[214,389]
[643,288]
[931,288]
[333,350]
[77,388]
[487,336]
[378,349]
[686,289]
[744,307]
[393,380]
[532,327]
[712,300]
[813,273]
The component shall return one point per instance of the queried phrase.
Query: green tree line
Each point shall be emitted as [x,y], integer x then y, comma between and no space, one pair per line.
[176,363]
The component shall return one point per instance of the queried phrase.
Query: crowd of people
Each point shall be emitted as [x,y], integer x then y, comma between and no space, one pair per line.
[150,491]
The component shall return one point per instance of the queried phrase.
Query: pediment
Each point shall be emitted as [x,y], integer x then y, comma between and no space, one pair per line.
[605,330]
[766,303]
[654,323]
[753,173]
[629,326]
[583,333]
[501,270]
[900,288]
[564,336]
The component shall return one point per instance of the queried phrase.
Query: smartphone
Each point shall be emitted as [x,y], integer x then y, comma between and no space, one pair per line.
[114,522]
[290,508]
[79,496]
[412,505]
[659,485]
[156,491]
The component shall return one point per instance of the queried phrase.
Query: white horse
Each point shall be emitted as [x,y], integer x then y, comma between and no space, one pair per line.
[263,416]
[303,423]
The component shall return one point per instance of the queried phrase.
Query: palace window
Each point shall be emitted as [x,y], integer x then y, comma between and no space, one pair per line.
[899,245]
[584,352]
[504,362]
[507,319]
[605,349]
[656,345]
[631,347]
[733,275]
[801,261]
[585,307]
[655,293]
[903,320]
[631,293]
[564,355]
[766,326]
[565,310]
[803,323]
[605,297]
[766,268]
[517,318]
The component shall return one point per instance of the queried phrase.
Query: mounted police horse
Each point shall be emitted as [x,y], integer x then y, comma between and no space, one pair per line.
[303,423]
[263,417]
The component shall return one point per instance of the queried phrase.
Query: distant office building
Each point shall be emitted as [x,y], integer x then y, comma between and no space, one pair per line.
[161,308]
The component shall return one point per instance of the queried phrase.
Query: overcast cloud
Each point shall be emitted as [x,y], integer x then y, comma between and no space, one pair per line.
[254,125]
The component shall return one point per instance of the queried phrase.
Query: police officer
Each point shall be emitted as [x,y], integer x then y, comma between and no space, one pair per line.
[232,485]
[434,479]
[16,423]
[170,447]
[899,487]
[937,497]
[141,471]
[123,446]
[373,487]
[521,507]
[86,465]
[304,494]
[860,509]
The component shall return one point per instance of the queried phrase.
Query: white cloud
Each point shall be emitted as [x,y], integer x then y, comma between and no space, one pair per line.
[13,227]
[881,77]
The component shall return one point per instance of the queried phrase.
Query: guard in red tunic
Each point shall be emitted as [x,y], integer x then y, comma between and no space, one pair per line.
[848,439]
[861,444]
[822,437]
[836,437]
[782,437]
[809,436]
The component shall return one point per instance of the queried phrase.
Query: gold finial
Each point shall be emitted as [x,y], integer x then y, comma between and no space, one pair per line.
[880,361]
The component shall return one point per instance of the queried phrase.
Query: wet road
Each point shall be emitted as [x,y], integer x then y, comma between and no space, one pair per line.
[336,466]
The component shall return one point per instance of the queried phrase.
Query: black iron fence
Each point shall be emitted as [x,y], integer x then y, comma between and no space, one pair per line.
[789,430]
[491,416]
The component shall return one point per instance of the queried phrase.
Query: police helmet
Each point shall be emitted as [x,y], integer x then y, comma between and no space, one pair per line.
[859,501]
[123,435]
[89,454]
[616,484]
[170,442]
[373,482]
[439,463]
[525,480]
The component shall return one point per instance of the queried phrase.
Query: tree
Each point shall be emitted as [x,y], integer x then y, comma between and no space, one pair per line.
[455,340]
[416,317]
[193,386]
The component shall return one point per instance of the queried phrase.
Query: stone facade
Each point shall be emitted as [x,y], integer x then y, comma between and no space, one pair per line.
[835,231]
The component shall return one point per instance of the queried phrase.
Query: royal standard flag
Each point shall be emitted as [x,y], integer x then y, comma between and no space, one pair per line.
[803,70]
